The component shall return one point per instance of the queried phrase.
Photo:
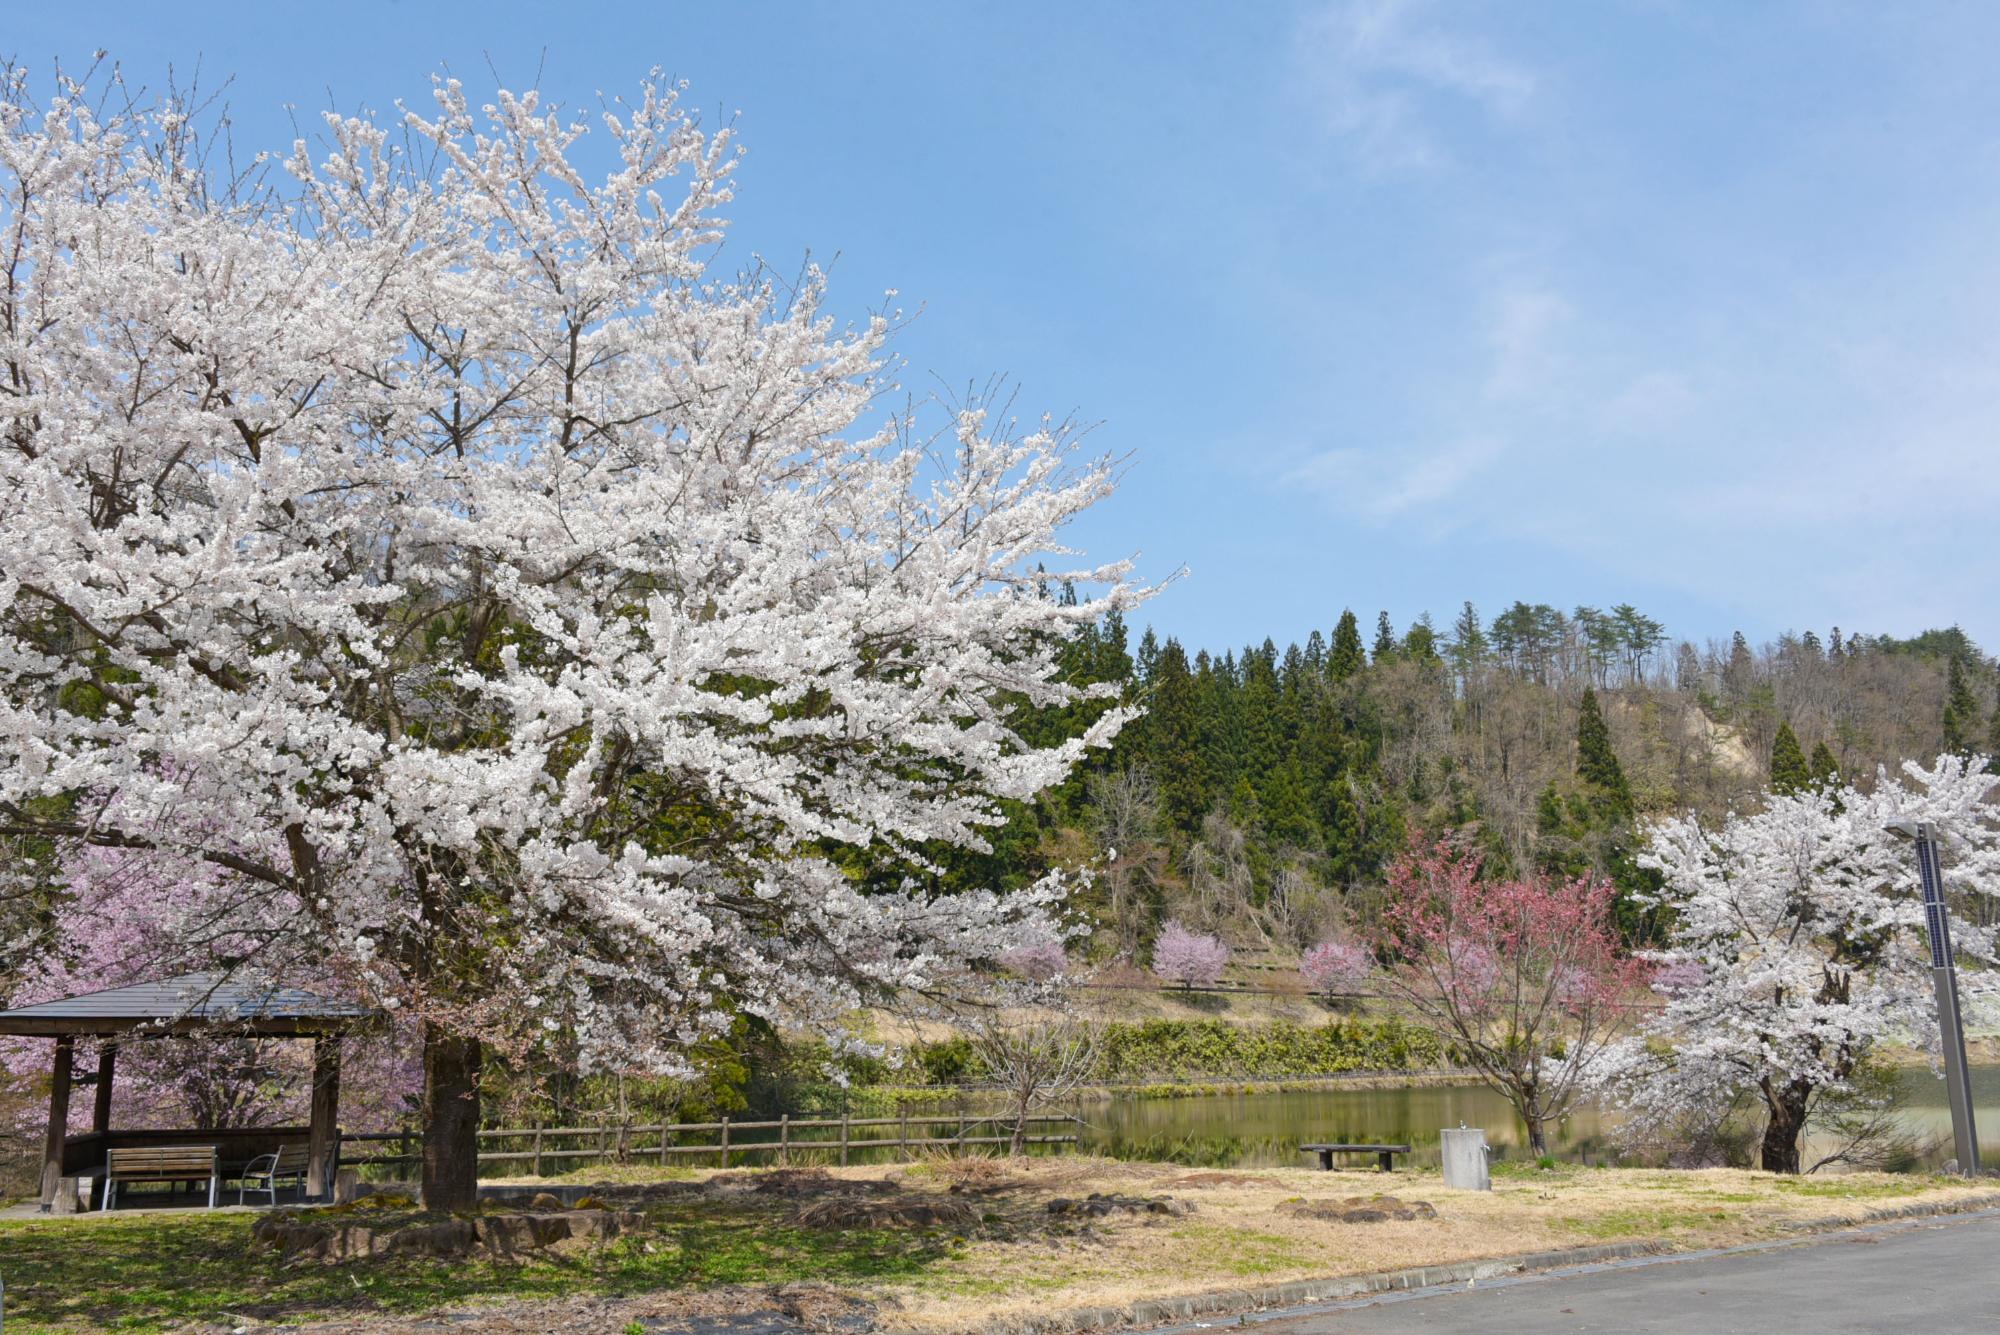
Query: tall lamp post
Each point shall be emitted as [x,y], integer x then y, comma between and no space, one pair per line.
[1951,1030]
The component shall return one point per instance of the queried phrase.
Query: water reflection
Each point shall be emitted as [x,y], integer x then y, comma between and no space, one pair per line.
[1265,1129]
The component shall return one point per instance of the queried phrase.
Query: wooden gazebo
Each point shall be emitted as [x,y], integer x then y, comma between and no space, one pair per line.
[190,1004]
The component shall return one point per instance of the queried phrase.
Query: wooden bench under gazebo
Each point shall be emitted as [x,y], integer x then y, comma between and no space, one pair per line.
[188,1005]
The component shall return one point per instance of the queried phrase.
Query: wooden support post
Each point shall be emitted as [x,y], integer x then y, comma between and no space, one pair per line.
[907,1155]
[725,1142]
[100,1114]
[538,1152]
[601,1140]
[323,1128]
[785,1140]
[666,1139]
[52,1146]
[843,1138]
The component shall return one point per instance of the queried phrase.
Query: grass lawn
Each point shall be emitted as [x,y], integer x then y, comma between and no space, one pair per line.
[720,1248]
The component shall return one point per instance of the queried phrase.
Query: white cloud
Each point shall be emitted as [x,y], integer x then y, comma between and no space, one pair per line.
[1370,66]
[1386,483]
[1521,333]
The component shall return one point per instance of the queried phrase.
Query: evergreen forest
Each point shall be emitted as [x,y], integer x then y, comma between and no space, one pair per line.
[1265,788]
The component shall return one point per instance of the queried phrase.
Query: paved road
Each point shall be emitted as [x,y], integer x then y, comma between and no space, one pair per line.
[1937,1275]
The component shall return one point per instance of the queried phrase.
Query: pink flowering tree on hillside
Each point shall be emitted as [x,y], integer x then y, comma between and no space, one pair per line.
[1188,958]
[1523,977]
[129,920]
[1336,968]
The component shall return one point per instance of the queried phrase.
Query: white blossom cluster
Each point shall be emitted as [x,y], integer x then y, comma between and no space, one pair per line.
[1796,940]
[547,628]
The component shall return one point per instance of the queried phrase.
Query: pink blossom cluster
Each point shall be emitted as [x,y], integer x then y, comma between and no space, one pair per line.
[1187,958]
[1336,966]
[1039,958]
[130,919]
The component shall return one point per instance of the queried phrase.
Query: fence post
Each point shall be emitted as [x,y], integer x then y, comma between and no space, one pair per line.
[725,1141]
[907,1155]
[785,1140]
[843,1137]
[603,1141]
[666,1138]
[624,1139]
[959,1148]
[538,1151]
[404,1147]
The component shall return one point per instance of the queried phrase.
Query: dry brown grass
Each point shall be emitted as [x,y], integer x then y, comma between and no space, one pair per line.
[1239,1238]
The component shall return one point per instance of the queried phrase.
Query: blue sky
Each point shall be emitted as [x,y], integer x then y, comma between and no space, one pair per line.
[1394,303]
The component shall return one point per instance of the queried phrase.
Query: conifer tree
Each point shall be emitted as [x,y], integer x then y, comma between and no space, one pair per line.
[1315,653]
[1286,809]
[1741,663]
[1789,772]
[1468,642]
[1420,644]
[1346,658]
[1385,639]
[1825,769]
[1597,764]
[1148,660]
[1961,710]
[1172,729]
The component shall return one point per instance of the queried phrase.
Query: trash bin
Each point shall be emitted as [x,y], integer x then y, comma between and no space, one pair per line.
[1465,1152]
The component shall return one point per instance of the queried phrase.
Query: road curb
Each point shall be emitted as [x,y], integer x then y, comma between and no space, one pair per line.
[1158,1311]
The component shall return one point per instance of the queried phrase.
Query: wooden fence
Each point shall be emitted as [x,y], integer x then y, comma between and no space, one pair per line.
[661,1143]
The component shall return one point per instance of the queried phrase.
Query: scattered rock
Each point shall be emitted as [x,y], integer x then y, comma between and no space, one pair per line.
[1359,1209]
[1098,1204]
[500,1235]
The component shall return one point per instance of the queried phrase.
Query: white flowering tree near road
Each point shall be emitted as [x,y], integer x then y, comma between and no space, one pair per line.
[540,626]
[1797,944]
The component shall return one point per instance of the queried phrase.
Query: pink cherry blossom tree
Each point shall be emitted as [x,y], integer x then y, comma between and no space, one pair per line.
[553,636]
[1510,973]
[1189,959]
[127,919]
[1040,958]
[1335,968]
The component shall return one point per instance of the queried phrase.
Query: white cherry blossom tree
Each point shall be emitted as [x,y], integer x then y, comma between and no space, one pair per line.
[1796,944]
[544,631]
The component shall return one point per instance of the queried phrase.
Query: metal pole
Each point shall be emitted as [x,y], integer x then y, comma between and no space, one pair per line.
[1944,977]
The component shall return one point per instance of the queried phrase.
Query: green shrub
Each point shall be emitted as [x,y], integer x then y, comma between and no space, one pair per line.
[1155,1050]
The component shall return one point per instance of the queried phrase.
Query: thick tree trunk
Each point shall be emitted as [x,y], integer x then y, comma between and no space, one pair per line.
[1787,1122]
[451,1120]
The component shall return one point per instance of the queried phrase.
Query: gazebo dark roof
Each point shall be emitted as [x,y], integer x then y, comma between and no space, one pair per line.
[189,1003]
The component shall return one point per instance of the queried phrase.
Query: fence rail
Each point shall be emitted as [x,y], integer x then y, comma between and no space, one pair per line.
[660,1142]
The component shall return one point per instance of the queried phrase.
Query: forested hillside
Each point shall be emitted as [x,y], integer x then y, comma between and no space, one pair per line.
[1266,786]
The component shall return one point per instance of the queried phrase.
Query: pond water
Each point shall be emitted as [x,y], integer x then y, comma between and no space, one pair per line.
[1265,1129]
